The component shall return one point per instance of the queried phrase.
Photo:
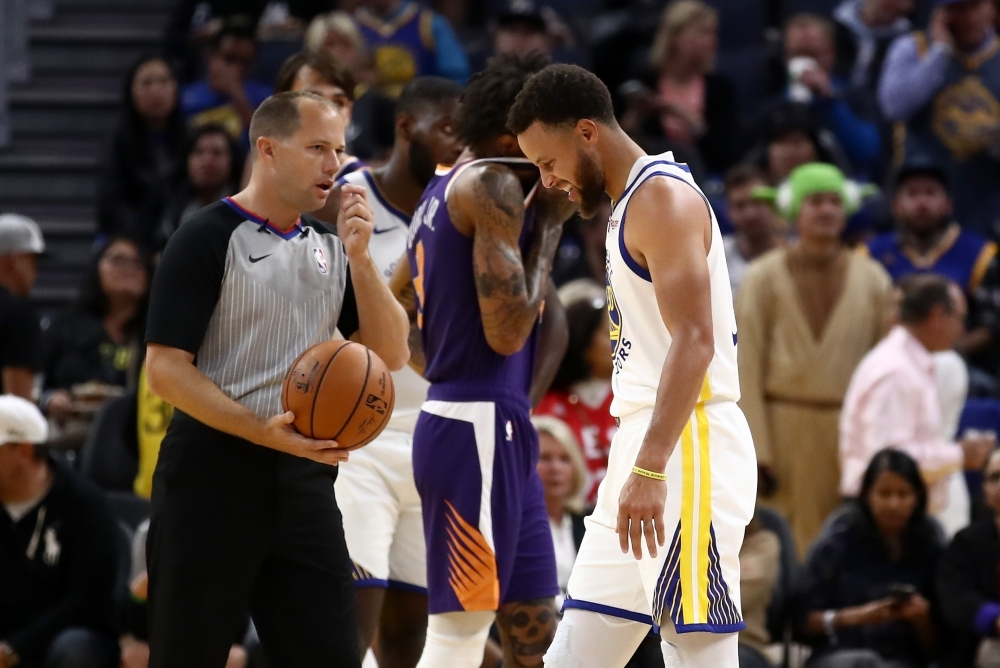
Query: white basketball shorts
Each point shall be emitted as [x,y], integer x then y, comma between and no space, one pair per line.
[711,491]
[382,518]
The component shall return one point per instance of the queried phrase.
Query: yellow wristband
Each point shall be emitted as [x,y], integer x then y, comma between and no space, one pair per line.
[649,474]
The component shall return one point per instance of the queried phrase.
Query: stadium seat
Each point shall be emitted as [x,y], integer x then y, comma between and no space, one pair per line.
[109,456]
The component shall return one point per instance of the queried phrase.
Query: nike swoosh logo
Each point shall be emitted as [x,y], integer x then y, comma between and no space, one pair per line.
[258,259]
[388,229]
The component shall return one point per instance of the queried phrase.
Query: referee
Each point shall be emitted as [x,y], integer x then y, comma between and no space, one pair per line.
[244,514]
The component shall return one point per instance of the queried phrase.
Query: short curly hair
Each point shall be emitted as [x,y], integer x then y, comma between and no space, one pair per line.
[490,94]
[561,95]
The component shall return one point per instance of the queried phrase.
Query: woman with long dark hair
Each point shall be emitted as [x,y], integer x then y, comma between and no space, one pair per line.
[94,344]
[869,578]
[210,170]
[580,394]
[146,148]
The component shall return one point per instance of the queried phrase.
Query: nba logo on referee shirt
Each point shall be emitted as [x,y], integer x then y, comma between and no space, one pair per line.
[321,264]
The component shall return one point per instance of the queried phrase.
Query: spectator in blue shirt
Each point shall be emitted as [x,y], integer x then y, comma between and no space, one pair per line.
[868,582]
[409,41]
[945,86]
[809,42]
[225,96]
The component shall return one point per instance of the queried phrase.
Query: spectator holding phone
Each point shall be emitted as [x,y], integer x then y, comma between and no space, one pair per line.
[967,582]
[867,585]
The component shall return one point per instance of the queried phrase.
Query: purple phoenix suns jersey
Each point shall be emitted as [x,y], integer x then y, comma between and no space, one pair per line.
[448,315]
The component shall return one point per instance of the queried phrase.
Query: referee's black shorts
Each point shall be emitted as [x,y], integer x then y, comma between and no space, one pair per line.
[240,528]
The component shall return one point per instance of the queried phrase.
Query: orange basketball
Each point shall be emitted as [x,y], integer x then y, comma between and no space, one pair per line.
[339,390]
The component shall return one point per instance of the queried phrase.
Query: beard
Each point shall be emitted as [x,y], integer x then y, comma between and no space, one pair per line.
[591,184]
[421,162]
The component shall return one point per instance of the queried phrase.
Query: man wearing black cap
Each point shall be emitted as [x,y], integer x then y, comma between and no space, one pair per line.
[928,239]
[521,29]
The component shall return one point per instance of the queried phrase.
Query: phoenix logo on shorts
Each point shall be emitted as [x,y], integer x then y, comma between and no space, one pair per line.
[320,258]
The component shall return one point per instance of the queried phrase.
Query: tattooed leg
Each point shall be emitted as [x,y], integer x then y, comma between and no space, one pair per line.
[527,629]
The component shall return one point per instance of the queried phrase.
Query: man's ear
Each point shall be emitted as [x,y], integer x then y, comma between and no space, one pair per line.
[404,126]
[265,147]
[587,130]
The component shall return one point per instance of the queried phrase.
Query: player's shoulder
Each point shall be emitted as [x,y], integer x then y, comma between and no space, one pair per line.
[213,224]
[358,176]
[662,199]
[486,181]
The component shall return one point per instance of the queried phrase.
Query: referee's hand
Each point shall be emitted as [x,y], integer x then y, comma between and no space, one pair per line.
[355,220]
[278,434]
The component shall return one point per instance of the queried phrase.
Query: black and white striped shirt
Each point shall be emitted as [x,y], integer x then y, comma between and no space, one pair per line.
[247,298]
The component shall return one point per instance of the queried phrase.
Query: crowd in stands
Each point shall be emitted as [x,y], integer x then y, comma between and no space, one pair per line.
[851,150]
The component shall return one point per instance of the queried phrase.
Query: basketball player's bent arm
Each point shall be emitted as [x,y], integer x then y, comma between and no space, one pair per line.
[552,342]
[382,323]
[669,232]
[488,203]
[401,286]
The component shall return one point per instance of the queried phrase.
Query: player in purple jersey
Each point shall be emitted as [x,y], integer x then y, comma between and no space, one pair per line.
[474,281]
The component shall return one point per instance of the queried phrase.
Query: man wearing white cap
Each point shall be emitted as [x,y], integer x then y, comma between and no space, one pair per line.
[57,554]
[20,340]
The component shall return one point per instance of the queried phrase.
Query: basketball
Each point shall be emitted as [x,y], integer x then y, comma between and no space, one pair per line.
[341,391]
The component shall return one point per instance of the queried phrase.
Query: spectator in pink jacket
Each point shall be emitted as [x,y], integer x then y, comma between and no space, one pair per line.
[893,400]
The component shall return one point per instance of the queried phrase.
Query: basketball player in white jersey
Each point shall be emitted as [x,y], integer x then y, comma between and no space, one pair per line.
[682,474]
[376,493]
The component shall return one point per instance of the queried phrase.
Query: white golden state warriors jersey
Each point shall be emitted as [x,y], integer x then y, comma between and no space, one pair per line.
[387,246]
[639,339]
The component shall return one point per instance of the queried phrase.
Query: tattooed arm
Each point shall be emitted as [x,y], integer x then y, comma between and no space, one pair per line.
[488,204]
[552,342]
[401,285]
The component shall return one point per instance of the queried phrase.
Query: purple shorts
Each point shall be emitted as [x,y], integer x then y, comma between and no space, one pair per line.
[485,523]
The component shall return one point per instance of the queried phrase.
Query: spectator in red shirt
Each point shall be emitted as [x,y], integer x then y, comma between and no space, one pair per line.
[581,392]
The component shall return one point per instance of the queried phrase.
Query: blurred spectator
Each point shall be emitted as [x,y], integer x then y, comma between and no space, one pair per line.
[807,314]
[225,96]
[810,55]
[213,162]
[945,85]
[336,33]
[134,641]
[864,31]
[90,348]
[683,100]
[409,41]
[756,228]
[967,583]
[319,72]
[869,579]
[893,398]
[760,563]
[564,478]
[57,554]
[194,23]
[520,30]
[20,335]
[373,115]
[146,150]
[928,239]
[790,136]
[580,395]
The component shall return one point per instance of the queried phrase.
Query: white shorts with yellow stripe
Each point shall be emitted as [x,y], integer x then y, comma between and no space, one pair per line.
[711,491]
